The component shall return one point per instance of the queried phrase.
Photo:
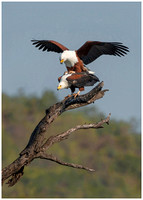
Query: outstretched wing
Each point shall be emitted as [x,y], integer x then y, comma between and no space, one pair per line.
[49,45]
[82,79]
[91,50]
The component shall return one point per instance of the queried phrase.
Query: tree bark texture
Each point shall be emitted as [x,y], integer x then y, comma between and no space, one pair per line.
[37,146]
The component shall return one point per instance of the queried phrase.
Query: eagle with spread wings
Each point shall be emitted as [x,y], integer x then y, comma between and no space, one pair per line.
[75,60]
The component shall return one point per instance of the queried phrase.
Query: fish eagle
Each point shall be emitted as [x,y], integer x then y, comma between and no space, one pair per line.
[87,53]
[76,80]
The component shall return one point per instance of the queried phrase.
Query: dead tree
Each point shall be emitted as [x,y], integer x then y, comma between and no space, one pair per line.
[38,144]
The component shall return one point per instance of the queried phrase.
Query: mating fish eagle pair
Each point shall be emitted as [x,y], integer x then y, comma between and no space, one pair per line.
[75,60]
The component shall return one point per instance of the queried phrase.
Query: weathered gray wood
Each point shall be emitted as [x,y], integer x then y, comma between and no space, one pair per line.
[36,146]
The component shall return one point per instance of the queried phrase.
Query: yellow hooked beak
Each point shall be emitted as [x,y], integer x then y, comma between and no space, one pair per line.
[61,61]
[59,87]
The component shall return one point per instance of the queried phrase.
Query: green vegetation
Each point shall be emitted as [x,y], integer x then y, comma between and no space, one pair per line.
[113,151]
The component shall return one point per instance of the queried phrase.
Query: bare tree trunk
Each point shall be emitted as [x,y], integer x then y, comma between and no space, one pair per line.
[37,146]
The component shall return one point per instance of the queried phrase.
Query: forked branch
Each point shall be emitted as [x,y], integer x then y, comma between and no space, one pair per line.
[58,138]
[37,147]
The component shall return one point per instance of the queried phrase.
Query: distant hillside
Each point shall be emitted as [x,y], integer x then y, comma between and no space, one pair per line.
[113,151]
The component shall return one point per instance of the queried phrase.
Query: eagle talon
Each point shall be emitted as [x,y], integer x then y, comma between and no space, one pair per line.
[76,94]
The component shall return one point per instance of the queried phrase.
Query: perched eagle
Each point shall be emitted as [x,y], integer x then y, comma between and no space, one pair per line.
[76,80]
[90,51]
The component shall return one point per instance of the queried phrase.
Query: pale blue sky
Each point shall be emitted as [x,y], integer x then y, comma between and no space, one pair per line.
[72,24]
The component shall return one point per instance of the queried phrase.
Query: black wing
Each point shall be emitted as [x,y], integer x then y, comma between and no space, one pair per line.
[91,50]
[49,45]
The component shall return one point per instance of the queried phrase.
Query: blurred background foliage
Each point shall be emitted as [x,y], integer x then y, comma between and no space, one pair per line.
[113,151]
